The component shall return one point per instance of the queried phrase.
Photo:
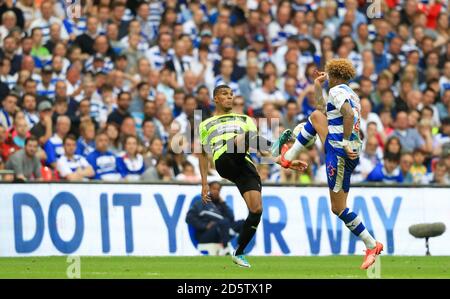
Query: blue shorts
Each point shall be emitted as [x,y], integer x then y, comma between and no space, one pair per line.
[339,168]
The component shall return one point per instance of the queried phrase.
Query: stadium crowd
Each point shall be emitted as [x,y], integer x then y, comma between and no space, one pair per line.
[104,89]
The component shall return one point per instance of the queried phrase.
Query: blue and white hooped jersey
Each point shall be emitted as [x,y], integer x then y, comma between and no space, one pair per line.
[66,166]
[104,165]
[54,149]
[337,96]
[130,168]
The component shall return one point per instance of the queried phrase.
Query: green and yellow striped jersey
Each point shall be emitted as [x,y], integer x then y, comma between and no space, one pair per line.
[217,130]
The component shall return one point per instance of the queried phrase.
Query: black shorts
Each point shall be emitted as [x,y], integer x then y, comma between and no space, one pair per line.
[237,169]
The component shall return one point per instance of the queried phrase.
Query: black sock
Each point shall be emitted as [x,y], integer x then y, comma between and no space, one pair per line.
[248,231]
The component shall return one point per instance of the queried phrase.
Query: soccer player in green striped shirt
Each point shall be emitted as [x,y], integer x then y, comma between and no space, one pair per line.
[229,137]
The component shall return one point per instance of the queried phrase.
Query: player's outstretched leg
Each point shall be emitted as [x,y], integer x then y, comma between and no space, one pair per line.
[354,223]
[254,204]
[316,124]
[278,144]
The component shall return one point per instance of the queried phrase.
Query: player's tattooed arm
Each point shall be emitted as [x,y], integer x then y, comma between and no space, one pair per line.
[347,115]
[318,91]
[348,118]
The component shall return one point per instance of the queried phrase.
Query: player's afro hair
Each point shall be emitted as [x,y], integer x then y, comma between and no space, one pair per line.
[340,68]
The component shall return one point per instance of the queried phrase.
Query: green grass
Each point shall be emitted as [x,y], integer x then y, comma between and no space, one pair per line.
[222,267]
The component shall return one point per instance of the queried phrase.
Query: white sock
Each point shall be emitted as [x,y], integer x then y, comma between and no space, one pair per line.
[367,238]
[293,151]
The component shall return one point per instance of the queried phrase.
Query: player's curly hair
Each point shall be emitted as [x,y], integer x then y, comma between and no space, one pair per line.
[340,68]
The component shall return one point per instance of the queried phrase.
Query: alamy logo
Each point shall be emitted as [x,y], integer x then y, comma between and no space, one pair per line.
[374,9]
[73,9]
[74,267]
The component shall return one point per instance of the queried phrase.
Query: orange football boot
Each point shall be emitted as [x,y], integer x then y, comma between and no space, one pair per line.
[371,255]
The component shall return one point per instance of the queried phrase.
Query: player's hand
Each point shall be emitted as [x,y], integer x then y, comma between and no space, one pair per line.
[321,77]
[350,153]
[205,194]
[298,165]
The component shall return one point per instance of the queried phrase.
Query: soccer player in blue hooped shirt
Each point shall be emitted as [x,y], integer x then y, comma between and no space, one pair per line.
[337,124]
[102,160]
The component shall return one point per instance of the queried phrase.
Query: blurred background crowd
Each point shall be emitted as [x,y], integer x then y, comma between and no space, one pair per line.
[104,89]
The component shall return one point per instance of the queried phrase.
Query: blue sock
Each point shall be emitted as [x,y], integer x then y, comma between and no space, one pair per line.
[303,138]
[307,133]
[355,225]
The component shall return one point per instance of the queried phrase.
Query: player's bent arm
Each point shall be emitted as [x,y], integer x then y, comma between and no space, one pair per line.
[204,165]
[318,94]
[348,117]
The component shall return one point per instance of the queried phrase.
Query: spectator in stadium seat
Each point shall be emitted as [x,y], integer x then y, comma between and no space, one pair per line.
[204,102]
[141,97]
[103,161]
[149,132]
[20,132]
[418,169]
[292,117]
[6,148]
[25,163]
[159,54]
[46,19]
[267,93]
[165,118]
[123,103]
[160,172]
[43,130]
[118,12]
[189,82]
[442,137]
[113,133]
[440,175]
[86,141]
[179,64]
[155,152]
[406,162]
[30,109]
[71,166]
[225,76]
[250,81]
[238,105]
[387,171]
[9,108]
[369,159]
[212,222]
[130,163]
[54,146]
[410,138]
[86,40]
[188,174]
[188,118]
[393,146]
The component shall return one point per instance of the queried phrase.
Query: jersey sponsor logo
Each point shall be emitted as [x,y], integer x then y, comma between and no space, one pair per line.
[331,170]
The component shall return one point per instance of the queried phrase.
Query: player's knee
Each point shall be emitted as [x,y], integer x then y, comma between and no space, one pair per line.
[336,210]
[256,209]
[316,114]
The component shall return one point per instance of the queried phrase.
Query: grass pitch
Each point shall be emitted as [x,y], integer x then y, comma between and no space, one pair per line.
[221,267]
